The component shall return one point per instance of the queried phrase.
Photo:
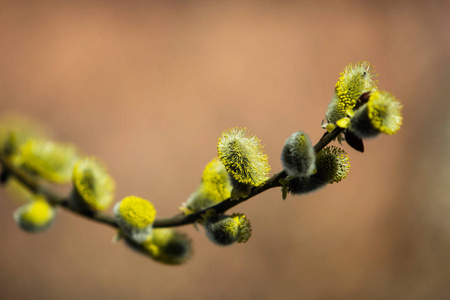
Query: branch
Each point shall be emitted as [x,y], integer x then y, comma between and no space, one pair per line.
[33,184]
[225,205]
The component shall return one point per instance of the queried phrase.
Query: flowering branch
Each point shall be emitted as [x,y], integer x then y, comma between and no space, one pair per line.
[52,197]
[225,205]
[179,220]
[240,172]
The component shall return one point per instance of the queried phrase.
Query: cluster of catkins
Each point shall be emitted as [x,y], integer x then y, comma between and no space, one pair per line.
[361,111]
[92,191]
[358,108]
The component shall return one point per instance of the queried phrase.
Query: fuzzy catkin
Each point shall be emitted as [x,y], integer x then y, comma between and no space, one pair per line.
[298,156]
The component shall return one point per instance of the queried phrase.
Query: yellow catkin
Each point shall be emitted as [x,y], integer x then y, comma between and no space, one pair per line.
[384,112]
[355,80]
[50,160]
[215,183]
[39,212]
[242,156]
[93,183]
[137,212]
[332,163]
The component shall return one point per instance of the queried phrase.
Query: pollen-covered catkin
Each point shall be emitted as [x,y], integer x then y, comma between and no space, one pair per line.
[381,114]
[93,187]
[49,160]
[35,216]
[355,80]
[214,188]
[244,160]
[298,156]
[135,217]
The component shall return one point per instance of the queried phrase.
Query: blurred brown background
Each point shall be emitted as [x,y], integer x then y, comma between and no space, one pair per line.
[149,86]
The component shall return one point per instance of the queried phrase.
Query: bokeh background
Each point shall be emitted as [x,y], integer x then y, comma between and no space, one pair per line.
[148,87]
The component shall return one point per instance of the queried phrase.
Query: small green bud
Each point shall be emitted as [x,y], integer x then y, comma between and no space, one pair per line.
[135,217]
[298,155]
[225,230]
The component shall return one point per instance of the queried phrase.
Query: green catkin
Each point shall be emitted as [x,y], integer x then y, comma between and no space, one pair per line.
[332,165]
[225,230]
[298,155]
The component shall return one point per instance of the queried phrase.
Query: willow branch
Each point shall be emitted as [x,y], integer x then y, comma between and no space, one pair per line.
[225,205]
[33,184]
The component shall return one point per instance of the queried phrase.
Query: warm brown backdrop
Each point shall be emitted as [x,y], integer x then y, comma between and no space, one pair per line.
[149,87]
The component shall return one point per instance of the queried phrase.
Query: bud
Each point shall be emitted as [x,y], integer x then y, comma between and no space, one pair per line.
[244,160]
[93,187]
[214,188]
[166,246]
[49,160]
[225,230]
[215,181]
[355,80]
[381,114]
[35,216]
[305,184]
[332,165]
[169,246]
[298,156]
[135,217]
